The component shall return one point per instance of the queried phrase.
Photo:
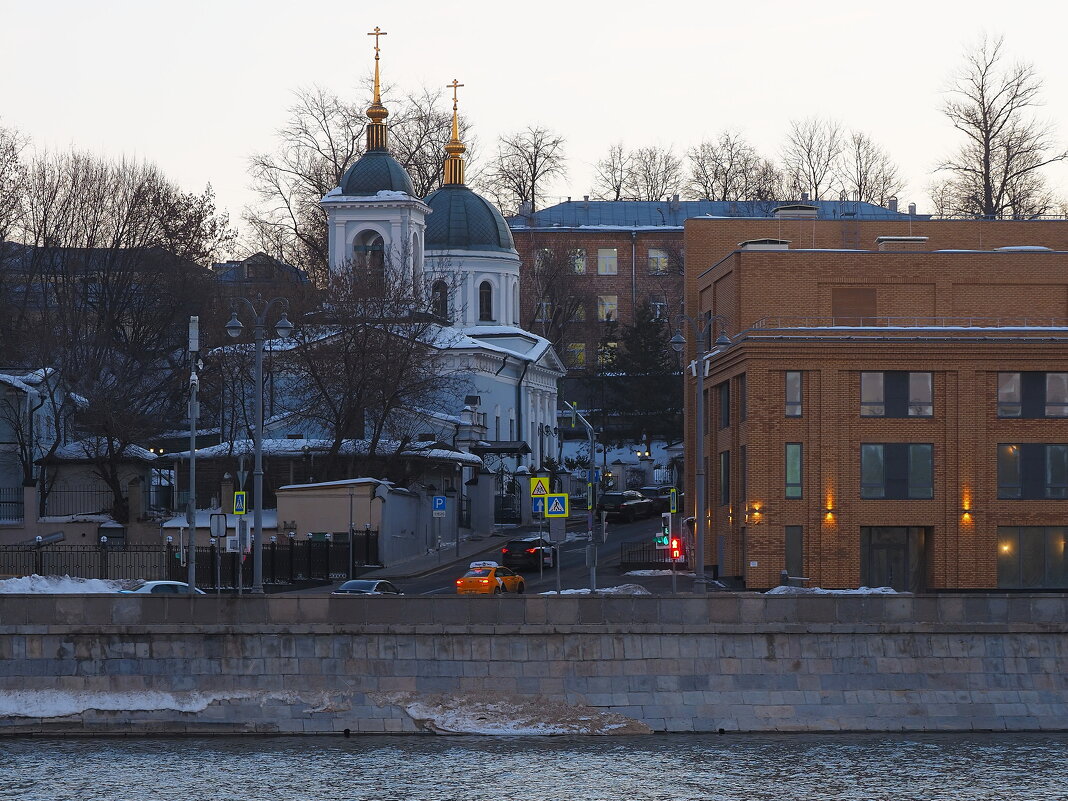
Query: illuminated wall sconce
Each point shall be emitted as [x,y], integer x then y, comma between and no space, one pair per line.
[829,512]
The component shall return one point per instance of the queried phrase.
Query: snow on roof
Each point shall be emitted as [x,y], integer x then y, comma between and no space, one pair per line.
[345,482]
[18,383]
[95,447]
[382,194]
[203,519]
[299,447]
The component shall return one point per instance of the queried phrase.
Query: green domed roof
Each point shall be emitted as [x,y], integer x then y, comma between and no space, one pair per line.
[376,171]
[463,220]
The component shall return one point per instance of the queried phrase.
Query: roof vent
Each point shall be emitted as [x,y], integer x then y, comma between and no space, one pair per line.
[794,211]
[912,209]
[900,243]
[764,244]
[892,204]
[804,197]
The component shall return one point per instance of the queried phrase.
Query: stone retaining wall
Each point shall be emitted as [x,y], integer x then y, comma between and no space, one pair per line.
[84,664]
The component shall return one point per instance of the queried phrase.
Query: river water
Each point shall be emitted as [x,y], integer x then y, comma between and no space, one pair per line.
[1017,767]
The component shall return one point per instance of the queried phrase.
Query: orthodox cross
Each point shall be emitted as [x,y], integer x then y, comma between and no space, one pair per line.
[454,86]
[376,33]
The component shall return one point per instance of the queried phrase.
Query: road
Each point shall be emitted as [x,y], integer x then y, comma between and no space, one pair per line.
[574,574]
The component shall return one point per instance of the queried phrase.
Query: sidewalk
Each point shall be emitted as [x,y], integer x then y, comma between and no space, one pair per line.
[482,548]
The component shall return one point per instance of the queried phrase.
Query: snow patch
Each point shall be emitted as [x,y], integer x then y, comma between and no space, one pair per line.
[58,585]
[622,589]
[821,591]
[658,573]
[60,704]
[506,715]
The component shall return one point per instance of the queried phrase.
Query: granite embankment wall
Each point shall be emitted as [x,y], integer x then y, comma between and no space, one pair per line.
[749,662]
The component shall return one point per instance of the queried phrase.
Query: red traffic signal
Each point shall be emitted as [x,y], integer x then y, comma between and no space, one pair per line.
[675,548]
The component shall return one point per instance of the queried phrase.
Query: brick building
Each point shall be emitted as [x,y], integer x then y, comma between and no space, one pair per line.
[588,261]
[893,408]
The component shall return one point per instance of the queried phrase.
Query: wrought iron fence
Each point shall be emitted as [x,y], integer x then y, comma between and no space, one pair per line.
[643,556]
[89,499]
[11,510]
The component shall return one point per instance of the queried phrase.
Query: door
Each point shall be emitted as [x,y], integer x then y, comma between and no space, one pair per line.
[893,556]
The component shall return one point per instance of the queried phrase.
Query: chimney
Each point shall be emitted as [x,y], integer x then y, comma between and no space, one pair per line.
[675,202]
[892,204]
[901,243]
[525,209]
[804,197]
[912,209]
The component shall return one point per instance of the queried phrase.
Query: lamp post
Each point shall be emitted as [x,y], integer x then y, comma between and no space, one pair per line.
[700,329]
[283,328]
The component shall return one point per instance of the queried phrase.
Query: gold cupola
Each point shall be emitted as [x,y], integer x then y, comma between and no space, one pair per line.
[454,149]
[376,112]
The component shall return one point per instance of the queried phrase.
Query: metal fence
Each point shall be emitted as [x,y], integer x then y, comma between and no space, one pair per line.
[88,499]
[644,556]
[11,510]
[295,562]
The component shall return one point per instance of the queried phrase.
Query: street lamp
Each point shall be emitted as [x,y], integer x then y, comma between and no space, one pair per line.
[700,329]
[283,328]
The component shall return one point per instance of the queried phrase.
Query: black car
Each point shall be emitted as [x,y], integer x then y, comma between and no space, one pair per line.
[524,554]
[367,587]
[626,505]
[660,495]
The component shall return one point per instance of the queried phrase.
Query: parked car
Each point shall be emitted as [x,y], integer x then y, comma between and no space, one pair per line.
[367,587]
[489,578]
[162,588]
[626,505]
[524,554]
[660,495]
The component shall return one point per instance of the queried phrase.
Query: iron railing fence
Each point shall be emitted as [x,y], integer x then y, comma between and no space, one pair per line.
[11,508]
[644,556]
[854,321]
[87,499]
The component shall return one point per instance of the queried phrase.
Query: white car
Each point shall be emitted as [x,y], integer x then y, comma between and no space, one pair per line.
[162,588]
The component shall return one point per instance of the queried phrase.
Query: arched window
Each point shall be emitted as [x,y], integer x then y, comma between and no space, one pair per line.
[368,252]
[439,300]
[485,302]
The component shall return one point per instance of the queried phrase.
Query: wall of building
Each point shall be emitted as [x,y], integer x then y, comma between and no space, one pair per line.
[735,662]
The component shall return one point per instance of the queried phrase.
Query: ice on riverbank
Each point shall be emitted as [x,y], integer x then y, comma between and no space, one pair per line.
[622,589]
[821,591]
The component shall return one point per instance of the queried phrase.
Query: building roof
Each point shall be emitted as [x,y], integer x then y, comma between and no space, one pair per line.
[464,220]
[631,214]
[376,171]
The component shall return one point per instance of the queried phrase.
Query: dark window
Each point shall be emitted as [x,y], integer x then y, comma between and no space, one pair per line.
[742,411]
[724,478]
[793,394]
[1032,557]
[743,489]
[368,252]
[1032,471]
[795,564]
[794,468]
[896,470]
[485,301]
[1032,395]
[439,300]
[896,394]
[723,393]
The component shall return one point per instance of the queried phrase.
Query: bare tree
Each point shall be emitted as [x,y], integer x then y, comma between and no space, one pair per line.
[996,171]
[12,179]
[731,169]
[559,292]
[655,172]
[612,173]
[810,155]
[526,161]
[418,133]
[866,172]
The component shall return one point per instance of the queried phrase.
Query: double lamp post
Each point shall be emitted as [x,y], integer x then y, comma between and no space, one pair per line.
[701,330]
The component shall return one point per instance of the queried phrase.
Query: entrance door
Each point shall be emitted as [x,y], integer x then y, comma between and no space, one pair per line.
[893,556]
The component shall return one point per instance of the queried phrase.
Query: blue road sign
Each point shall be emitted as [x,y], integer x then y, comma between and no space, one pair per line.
[537,505]
[556,505]
[439,503]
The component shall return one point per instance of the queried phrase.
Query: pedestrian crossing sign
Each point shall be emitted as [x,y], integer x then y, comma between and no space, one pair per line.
[239,503]
[539,486]
[556,505]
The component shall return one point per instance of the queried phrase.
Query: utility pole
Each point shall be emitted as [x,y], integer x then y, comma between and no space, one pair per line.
[194,414]
[591,435]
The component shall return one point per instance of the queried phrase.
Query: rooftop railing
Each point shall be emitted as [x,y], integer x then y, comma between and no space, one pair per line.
[910,322]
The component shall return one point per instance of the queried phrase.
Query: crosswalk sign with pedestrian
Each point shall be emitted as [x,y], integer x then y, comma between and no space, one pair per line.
[556,505]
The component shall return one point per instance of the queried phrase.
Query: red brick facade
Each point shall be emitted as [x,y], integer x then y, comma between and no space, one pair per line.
[833,314]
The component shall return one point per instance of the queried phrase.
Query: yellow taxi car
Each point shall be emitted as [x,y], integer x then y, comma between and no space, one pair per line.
[489,578]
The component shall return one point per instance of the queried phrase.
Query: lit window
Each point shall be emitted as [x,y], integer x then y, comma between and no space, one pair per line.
[658,261]
[607,308]
[606,353]
[544,312]
[578,261]
[579,313]
[1032,557]
[576,354]
[607,261]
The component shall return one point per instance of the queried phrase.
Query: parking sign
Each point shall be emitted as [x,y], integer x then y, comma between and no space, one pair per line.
[438,505]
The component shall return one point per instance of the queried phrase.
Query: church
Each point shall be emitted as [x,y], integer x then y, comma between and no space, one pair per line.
[455,248]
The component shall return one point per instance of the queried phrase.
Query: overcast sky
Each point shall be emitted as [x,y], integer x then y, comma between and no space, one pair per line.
[198,86]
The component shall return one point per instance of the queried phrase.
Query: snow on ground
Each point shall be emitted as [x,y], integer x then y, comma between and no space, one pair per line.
[821,591]
[622,589]
[61,703]
[658,573]
[506,715]
[59,584]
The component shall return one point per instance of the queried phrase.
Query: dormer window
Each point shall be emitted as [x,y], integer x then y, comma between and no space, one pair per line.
[485,302]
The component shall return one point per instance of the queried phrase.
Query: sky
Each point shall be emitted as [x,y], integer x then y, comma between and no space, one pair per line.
[197,87]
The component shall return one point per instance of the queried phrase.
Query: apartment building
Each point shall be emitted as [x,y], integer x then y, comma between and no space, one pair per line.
[891,412]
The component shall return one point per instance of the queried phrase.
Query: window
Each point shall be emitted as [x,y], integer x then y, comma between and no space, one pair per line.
[607,261]
[723,395]
[544,312]
[439,300]
[743,487]
[1032,395]
[896,394]
[896,470]
[1032,470]
[368,252]
[793,394]
[485,302]
[577,258]
[658,306]
[794,551]
[1032,557]
[579,313]
[606,353]
[724,478]
[742,411]
[607,308]
[543,258]
[658,261]
[794,469]
[576,354]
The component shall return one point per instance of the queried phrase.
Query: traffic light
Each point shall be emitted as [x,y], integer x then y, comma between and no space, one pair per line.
[675,549]
[662,536]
